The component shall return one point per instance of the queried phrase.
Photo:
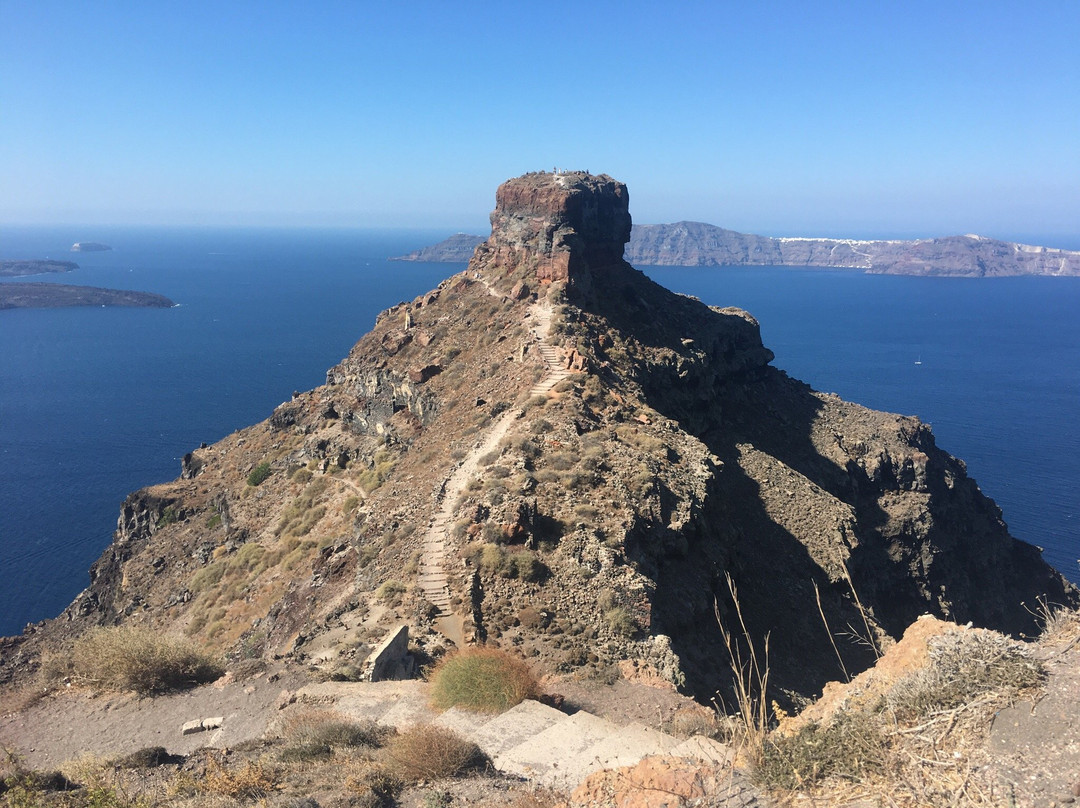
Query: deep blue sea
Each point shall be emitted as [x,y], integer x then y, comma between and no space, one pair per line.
[95,403]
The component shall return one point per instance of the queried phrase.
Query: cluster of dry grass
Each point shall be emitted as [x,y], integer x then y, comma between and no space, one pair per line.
[134,658]
[916,743]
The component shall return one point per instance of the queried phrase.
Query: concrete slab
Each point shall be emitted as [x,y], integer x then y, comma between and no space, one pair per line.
[515,726]
[408,713]
[363,700]
[629,745]
[555,757]
[465,723]
[701,748]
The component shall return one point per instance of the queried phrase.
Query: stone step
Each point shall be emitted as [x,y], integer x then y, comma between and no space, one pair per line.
[517,725]
[555,757]
[629,745]
[465,723]
[701,748]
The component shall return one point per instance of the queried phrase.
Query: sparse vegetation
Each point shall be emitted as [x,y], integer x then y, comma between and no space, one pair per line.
[259,474]
[914,742]
[315,734]
[250,780]
[619,622]
[140,659]
[428,752]
[390,591]
[483,679]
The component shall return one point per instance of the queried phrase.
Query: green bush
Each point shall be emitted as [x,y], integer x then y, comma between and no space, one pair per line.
[259,474]
[390,591]
[140,659]
[483,679]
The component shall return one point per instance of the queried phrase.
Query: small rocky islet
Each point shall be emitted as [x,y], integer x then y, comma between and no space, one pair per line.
[57,295]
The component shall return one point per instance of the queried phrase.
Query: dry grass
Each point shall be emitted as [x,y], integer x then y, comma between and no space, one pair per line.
[483,679]
[140,659]
[428,752]
[750,672]
[372,784]
[915,747]
[316,734]
[250,780]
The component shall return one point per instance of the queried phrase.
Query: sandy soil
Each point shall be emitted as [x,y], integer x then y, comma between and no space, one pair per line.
[1034,747]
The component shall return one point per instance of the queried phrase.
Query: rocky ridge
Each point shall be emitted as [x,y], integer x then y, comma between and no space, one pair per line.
[600,482]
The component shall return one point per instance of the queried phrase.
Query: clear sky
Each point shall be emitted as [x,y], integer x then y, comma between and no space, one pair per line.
[782,118]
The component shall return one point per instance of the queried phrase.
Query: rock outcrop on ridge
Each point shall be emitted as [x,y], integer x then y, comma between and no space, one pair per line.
[553,453]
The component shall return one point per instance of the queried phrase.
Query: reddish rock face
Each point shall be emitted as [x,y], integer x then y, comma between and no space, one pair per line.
[564,224]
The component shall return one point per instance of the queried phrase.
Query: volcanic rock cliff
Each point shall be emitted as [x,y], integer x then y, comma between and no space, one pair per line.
[551,452]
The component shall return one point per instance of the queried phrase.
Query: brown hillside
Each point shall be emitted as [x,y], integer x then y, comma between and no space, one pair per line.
[552,452]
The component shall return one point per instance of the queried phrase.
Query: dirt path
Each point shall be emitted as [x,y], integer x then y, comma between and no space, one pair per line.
[433,560]
[67,724]
[1033,753]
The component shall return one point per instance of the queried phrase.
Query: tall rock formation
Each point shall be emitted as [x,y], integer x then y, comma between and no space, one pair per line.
[551,452]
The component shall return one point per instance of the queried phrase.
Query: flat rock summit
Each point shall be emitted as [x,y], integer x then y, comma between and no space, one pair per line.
[551,453]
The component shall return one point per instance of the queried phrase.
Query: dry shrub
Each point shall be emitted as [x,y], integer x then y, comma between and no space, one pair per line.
[852,748]
[372,783]
[140,659]
[315,734]
[428,752]
[483,679]
[251,780]
[965,667]
[915,747]
[1060,625]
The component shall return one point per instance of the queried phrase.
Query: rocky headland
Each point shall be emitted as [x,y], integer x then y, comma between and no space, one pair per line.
[56,295]
[550,453]
[13,269]
[699,244]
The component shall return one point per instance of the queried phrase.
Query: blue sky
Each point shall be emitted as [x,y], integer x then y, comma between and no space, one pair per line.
[783,118]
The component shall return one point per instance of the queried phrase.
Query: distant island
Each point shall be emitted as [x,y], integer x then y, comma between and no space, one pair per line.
[89,246]
[56,295]
[12,269]
[699,244]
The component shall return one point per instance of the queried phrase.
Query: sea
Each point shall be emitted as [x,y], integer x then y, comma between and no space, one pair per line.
[98,402]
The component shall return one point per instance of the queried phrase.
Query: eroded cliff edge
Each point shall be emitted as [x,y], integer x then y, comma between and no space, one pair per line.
[598,521]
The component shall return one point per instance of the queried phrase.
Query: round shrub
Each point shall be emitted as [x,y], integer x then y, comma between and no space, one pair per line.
[428,752]
[483,679]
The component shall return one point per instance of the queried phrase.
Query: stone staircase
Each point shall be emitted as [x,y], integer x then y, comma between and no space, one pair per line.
[531,741]
[432,577]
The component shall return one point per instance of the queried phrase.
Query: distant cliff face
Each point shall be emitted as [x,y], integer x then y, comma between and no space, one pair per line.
[698,244]
[572,461]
